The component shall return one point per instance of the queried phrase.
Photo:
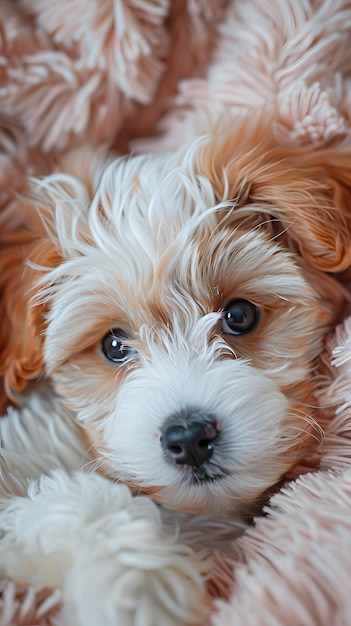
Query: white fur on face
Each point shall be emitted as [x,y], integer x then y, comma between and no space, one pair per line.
[151,257]
[251,416]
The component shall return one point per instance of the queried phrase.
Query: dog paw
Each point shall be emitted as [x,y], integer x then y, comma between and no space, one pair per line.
[107,550]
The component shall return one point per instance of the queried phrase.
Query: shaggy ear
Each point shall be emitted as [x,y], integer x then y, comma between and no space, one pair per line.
[307,191]
[22,323]
[29,241]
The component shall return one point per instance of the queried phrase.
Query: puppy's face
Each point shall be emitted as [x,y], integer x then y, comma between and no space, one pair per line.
[183,327]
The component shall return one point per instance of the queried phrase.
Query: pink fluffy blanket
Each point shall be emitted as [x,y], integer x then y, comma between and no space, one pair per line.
[150,74]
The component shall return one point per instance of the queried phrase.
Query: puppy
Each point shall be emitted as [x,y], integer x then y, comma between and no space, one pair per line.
[177,305]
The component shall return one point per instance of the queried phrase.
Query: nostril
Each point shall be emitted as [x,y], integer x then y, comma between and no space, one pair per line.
[175,450]
[191,444]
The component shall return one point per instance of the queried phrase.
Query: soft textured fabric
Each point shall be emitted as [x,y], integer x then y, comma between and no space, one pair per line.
[113,71]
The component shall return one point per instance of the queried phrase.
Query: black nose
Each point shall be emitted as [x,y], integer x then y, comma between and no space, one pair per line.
[191,444]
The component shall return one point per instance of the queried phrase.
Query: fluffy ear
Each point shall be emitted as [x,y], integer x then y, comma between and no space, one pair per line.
[22,323]
[302,193]
[29,247]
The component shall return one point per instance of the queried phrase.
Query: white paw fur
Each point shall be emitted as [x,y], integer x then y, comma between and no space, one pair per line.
[107,550]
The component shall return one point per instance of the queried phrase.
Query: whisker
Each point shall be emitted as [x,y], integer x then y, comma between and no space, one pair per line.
[93,465]
[318,406]
[317,433]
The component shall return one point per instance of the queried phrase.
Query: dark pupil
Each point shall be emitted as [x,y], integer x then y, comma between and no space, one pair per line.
[237,316]
[241,316]
[112,346]
[116,348]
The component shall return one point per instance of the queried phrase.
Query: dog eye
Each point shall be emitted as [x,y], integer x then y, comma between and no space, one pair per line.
[114,348]
[239,317]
